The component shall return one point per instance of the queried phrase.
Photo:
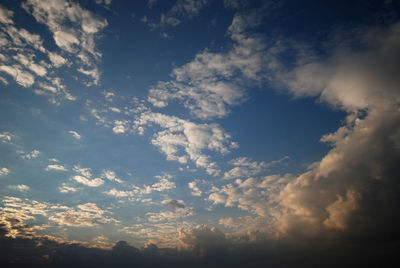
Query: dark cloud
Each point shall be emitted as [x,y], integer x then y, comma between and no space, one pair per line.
[42,252]
[174,203]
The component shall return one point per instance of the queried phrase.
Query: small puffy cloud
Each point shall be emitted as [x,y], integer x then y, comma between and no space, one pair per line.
[114,109]
[23,78]
[182,140]
[86,172]
[6,15]
[164,184]
[120,126]
[88,214]
[108,95]
[56,167]
[4,171]
[195,189]
[65,188]
[173,203]
[75,134]
[56,59]
[88,182]
[33,154]
[5,137]
[245,167]
[166,216]
[110,175]
[20,187]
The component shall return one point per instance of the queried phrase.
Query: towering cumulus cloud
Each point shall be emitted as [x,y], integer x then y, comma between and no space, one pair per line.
[354,189]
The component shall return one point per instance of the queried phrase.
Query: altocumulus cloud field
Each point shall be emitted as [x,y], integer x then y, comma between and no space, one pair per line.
[199,133]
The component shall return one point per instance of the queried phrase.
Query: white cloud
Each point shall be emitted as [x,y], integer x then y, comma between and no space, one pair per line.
[110,175]
[114,109]
[5,137]
[33,154]
[56,167]
[4,171]
[245,167]
[86,172]
[120,126]
[74,30]
[182,140]
[108,95]
[6,15]
[75,134]
[20,76]
[20,187]
[56,59]
[169,215]
[65,188]
[88,214]
[213,82]
[195,189]
[256,195]
[88,182]
[164,184]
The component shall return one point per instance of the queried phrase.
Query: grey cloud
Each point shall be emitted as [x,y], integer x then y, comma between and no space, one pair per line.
[173,203]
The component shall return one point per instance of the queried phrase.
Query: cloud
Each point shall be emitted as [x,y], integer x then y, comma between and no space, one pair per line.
[360,167]
[20,54]
[195,189]
[244,167]
[33,154]
[256,195]
[201,239]
[88,214]
[4,171]
[75,134]
[164,183]
[213,82]
[176,210]
[23,78]
[173,203]
[65,188]
[88,182]
[180,10]
[56,167]
[6,15]
[110,175]
[20,187]
[5,137]
[120,126]
[182,140]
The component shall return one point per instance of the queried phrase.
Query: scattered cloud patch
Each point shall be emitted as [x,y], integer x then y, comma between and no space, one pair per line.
[4,171]
[65,188]
[56,167]
[31,155]
[75,134]
[20,187]
[195,190]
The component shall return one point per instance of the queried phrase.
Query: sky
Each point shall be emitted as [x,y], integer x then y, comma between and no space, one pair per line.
[208,133]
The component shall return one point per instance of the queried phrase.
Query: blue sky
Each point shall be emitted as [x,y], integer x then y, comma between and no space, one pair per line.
[153,121]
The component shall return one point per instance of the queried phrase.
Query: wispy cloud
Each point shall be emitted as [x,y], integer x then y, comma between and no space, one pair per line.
[20,187]
[56,167]
[75,134]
